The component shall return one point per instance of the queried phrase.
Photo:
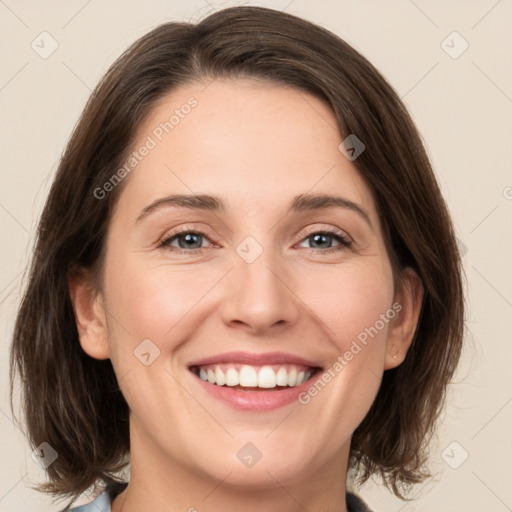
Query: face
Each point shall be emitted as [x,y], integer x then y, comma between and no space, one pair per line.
[262,286]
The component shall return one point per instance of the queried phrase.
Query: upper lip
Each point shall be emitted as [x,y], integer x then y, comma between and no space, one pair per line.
[255,359]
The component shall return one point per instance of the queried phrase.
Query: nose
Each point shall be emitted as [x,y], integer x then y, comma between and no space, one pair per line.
[259,297]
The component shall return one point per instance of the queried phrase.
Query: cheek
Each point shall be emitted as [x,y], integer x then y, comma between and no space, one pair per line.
[155,303]
[350,301]
[152,301]
[356,307]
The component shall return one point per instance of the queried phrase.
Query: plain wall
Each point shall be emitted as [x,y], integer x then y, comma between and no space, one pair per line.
[462,105]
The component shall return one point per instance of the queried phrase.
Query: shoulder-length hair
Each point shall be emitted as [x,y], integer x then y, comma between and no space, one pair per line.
[72,401]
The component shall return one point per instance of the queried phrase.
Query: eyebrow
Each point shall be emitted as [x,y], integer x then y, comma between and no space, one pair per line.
[302,202]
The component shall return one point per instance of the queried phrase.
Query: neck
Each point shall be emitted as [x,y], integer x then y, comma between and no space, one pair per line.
[160,483]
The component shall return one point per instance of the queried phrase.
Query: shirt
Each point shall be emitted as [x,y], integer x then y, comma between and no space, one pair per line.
[104,500]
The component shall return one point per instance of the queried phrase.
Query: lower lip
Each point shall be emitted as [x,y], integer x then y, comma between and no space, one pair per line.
[256,400]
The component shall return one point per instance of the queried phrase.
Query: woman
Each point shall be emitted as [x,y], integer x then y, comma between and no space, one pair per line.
[183,314]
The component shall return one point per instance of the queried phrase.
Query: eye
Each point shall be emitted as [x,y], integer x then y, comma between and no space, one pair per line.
[189,241]
[323,238]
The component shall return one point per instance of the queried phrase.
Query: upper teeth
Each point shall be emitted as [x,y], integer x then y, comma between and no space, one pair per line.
[252,376]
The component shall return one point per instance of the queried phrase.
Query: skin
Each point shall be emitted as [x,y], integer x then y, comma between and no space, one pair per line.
[255,145]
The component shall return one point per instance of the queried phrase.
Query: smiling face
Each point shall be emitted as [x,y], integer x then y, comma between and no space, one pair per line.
[251,274]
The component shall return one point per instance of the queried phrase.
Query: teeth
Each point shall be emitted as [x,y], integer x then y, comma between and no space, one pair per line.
[232,378]
[292,377]
[219,377]
[282,377]
[266,377]
[248,377]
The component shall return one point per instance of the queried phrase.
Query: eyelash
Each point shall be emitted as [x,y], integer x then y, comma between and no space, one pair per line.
[344,241]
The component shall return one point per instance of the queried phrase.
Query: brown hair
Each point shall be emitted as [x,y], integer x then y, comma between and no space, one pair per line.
[73,401]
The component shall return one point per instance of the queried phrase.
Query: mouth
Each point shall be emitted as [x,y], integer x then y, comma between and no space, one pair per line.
[255,382]
[245,377]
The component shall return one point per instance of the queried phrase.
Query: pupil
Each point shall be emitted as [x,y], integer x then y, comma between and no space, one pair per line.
[318,237]
[189,238]
[193,238]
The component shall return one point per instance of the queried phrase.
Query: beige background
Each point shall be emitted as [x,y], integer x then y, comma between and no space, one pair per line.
[462,106]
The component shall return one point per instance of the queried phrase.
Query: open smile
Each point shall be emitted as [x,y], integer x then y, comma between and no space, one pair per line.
[245,377]
[243,381]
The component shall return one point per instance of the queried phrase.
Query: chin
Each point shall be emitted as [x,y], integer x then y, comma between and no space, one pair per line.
[244,470]
[261,476]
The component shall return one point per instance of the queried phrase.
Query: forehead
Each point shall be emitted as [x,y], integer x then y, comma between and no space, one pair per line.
[250,142]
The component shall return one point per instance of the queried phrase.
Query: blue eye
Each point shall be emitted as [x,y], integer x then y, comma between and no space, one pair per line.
[191,241]
[187,241]
[319,237]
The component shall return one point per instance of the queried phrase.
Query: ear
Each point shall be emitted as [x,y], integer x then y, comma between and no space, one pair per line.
[408,301]
[90,315]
